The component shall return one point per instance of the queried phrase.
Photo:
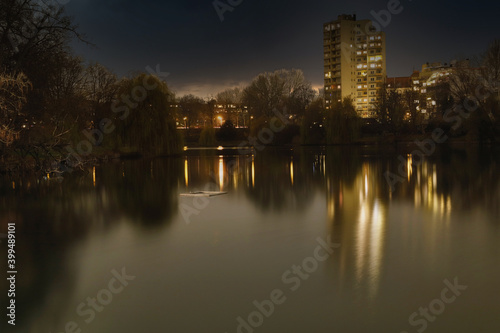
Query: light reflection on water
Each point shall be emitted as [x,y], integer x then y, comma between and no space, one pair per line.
[396,246]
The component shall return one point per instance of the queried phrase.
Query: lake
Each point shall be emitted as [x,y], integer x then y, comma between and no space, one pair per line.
[305,240]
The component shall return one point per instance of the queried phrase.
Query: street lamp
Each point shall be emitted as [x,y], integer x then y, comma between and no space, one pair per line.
[185,122]
[220,119]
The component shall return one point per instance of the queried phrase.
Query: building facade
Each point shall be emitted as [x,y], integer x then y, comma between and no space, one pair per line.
[354,63]
[426,83]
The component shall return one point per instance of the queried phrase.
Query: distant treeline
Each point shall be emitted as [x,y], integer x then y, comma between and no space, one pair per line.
[58,111]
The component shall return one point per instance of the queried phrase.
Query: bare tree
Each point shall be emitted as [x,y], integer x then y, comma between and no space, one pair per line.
[13,91]
[231,96]
[100,84]
[278,90]
[31,29]
[491,66]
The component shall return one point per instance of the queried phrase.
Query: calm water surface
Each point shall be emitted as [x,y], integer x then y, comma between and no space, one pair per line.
[422,256]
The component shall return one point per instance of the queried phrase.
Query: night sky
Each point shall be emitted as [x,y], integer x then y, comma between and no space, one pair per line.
[204,55]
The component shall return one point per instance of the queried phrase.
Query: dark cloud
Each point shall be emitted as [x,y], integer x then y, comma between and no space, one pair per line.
[204,54]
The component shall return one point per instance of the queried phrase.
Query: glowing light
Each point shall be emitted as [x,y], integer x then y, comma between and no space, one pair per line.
[409,163]
[376,247]
[361,239]
[253,172]
[434,177]
[93,175]
[220,148]
[366,185]
[221,173]
[13,185]
[186,172]
[291,171]
[235,180]
[331,208]
[185,148]
[324,166]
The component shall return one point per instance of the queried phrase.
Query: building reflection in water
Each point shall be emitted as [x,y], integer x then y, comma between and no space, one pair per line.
[145,194]
[357,213]
[253,171]
[186,171]
[221,172]
[358,197]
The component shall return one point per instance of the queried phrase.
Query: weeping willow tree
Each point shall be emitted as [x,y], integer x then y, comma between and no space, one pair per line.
[342,123]
[147,124]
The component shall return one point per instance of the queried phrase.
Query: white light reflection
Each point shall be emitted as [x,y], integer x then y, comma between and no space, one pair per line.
[409,168]
[221,172]
[186,172]
[253,171]
[376,247]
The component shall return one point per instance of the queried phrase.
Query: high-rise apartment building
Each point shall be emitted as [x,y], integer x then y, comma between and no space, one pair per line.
[354,63]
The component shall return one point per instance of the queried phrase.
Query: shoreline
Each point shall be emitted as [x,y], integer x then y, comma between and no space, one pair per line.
[104,156]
